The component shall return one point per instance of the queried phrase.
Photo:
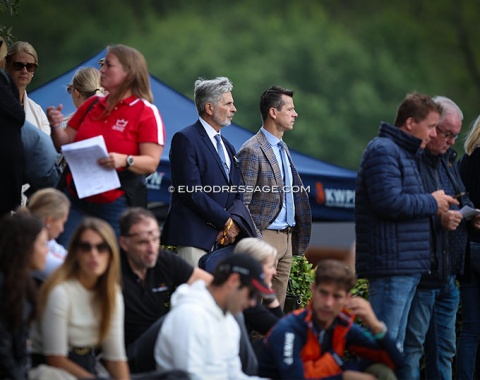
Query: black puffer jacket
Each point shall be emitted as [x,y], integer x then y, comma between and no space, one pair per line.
[447,247]
[392,208]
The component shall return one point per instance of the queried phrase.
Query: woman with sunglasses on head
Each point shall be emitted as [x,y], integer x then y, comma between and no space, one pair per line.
[21,63]
[12,117]
[132,129]
[85,83]
[23,248]
[81,307]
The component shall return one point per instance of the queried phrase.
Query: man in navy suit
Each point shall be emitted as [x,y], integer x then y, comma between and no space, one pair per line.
[206,207]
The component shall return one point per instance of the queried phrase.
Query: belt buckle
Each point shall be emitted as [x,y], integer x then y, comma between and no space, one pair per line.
[82,351]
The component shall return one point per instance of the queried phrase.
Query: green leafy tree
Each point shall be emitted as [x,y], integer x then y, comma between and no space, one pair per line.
[350,63]
[11,8]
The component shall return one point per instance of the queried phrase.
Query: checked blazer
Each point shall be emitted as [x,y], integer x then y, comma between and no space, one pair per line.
[260,169]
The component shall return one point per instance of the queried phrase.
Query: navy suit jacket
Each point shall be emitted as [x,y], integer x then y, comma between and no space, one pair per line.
[201,202]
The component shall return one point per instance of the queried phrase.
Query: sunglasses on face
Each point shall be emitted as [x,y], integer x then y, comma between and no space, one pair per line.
[18,66]
[70,88]
[85,246]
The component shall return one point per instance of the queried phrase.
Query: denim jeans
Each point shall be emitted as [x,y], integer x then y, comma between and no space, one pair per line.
[110,212]
[470,334]
[431,327]
[390,298]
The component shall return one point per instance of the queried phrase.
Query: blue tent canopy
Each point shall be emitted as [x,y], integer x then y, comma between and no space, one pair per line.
[331,187]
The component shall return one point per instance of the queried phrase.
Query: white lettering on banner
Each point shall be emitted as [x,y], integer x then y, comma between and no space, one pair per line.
[340,198]
[154,181]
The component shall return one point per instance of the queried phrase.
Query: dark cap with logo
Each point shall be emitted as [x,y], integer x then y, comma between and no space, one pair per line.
[249,269]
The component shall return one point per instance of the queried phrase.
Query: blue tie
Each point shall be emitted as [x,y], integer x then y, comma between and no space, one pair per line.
[287,181]
[222,155]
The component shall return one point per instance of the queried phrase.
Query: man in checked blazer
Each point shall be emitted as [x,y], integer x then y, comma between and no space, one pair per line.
[264,176]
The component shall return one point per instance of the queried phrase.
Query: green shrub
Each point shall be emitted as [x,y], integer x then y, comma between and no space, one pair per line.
[361,288]
[301,278]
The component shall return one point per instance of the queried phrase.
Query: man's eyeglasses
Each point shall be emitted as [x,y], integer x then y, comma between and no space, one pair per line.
[85,246]
[18,66]
[448,135]
[70,88]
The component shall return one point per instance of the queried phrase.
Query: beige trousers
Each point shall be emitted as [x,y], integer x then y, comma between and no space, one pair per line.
[283,244]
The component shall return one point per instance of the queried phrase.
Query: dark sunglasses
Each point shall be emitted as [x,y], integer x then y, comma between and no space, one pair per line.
[70,88]
[18,66]
[85,246]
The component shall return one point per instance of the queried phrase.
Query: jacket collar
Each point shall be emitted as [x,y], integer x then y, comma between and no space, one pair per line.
[404,140]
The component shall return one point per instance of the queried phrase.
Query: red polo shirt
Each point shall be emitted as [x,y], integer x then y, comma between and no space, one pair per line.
[132,121]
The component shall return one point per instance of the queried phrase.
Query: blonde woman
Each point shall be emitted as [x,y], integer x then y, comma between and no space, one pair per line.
[260,318]
[81,306]
[21,63]
[52,207]
[85,83]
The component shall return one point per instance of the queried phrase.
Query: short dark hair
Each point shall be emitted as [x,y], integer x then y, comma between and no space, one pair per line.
[417,106]
[131,216]
[272,97]
[334,271]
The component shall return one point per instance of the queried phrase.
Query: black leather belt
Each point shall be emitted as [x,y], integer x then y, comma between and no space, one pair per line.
[286,230]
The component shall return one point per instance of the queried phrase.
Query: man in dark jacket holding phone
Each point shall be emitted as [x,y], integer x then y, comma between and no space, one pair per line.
[393,210]
[435,304]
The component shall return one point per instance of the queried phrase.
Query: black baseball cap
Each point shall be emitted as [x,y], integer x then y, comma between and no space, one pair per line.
[249,269]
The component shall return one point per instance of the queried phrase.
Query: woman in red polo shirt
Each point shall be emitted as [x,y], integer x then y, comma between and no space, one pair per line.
[133,131]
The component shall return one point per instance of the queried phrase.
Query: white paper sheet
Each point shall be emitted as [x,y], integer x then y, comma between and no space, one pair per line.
[468,212]
[90,178]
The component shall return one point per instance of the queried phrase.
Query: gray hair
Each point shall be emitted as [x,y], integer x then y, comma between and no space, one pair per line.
[449,107]
[210,91]
[257,248]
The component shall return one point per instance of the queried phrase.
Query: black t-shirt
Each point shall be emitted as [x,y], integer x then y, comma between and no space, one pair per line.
[146,303]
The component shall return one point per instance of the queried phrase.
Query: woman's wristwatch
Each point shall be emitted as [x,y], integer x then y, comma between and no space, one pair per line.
[130,161]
